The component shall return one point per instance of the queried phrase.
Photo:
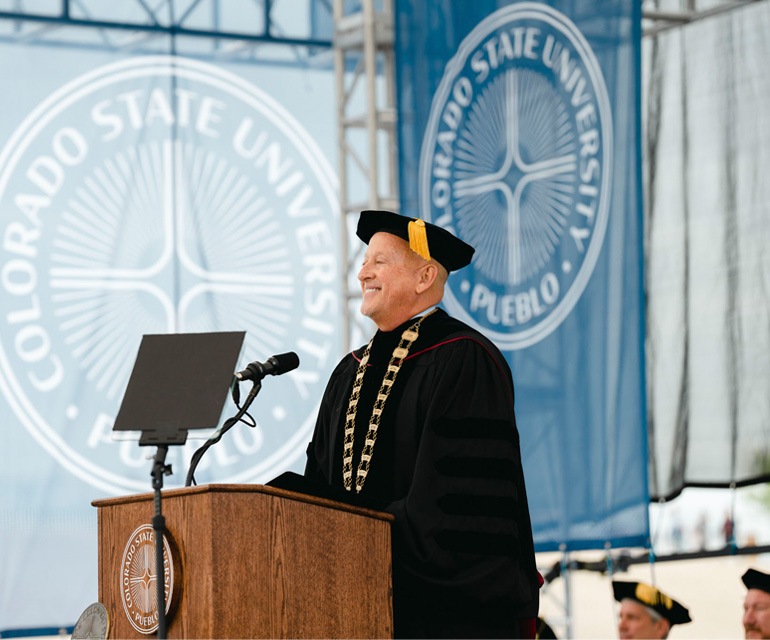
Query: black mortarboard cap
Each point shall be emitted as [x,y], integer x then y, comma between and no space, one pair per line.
[754,579]
[653,598]
[424,238]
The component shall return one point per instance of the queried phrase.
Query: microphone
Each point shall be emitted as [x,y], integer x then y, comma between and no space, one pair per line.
[275,366]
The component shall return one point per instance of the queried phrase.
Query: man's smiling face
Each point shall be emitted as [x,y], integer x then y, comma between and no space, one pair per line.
[389,281]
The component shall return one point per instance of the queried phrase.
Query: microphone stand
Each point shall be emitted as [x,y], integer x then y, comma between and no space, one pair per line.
[229,423]
[159,469]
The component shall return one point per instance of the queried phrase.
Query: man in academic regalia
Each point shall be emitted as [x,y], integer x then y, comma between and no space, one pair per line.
[422,420]
[756,606]
[645,611]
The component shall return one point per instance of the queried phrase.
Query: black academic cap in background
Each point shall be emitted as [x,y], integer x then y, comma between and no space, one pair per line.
[653,598]
[754,579]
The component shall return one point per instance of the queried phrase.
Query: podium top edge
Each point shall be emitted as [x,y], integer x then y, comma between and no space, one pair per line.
[240,488]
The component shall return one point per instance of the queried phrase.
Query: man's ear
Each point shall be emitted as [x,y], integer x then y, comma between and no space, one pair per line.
[428,274]
[662,627]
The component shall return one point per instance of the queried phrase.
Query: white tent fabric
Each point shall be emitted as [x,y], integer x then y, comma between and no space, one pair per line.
[707,244]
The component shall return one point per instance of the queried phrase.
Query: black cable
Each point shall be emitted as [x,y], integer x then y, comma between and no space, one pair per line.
[229,423]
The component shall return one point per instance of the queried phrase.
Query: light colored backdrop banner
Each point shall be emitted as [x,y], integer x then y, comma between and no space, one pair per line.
[519,131]
[139,195]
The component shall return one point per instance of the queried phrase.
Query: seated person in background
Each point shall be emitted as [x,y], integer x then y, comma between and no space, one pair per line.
[756,606]
[646,612]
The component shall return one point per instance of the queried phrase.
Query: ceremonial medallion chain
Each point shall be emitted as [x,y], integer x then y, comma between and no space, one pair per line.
[394,366]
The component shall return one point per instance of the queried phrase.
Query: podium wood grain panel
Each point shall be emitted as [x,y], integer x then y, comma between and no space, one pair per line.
[258,562]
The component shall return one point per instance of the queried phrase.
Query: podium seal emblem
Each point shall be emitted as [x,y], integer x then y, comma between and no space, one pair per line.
[138,579]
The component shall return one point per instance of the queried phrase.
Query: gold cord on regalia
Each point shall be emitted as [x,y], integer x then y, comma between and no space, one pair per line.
[394,366]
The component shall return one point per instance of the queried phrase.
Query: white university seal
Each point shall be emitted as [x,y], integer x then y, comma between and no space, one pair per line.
[516,160]
[157,195]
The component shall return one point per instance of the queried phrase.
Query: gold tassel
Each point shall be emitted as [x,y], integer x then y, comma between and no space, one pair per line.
[418,238]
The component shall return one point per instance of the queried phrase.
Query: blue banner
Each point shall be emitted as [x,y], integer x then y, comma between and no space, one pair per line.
[520,132]
[142,195]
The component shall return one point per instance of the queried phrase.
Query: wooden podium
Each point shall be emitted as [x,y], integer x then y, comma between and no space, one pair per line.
[252,562]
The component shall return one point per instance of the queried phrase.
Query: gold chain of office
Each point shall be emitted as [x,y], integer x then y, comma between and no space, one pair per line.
[394,366]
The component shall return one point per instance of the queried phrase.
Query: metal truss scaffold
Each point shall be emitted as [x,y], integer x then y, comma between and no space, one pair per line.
[364,63]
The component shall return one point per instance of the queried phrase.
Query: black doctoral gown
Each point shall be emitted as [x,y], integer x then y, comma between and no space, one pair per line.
[447,463]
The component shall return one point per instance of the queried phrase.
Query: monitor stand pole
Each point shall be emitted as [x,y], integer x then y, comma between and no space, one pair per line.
[159,469]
